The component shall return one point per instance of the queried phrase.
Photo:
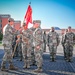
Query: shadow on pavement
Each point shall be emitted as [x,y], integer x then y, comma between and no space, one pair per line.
[60,67]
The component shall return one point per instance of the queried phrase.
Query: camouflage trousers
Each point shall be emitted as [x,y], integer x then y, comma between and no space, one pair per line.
[19,47]
[53,50]
[32,56]
[38,57]
[69,51]
[26,52]
[8,53]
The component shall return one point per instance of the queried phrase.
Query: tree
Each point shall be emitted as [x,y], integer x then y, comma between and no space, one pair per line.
[1,36]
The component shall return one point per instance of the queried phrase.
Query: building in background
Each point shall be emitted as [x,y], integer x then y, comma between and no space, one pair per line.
[3,20]
[17,24]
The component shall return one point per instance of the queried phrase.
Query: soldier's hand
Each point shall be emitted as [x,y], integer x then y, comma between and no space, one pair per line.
[17,41]
[38,47]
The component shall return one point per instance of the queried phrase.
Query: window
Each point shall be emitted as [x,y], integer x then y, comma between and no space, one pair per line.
[0,20]
[0,25]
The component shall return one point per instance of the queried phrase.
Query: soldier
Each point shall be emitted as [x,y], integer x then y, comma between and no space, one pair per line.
[7,43]
[52,42]
[26,46]
[68,43]
[33,62]
[63,43]
[44,40]
[19,48]
[38,45]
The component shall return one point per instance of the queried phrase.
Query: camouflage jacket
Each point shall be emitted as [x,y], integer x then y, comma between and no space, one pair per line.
[26,36]
[69,38]
[7,34]
[37,37]
[53,38]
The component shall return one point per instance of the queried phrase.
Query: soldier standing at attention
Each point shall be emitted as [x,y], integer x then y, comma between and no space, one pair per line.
[53,42]
[26,46]
[33,62]
[69,43]
[63,43]
[38,45]
[7,43]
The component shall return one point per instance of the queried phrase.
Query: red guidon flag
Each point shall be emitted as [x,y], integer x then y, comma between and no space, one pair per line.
[28,16]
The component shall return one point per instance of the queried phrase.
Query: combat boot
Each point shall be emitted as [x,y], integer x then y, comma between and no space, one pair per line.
[3,68]
[25,64]
[53,59]
[70,60]
[11,67]
[38,70]
[28,66]
[28,63]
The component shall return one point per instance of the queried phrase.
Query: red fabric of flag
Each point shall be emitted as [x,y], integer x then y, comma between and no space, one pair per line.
[28,16]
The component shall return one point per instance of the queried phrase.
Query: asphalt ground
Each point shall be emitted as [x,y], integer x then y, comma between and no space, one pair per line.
[60,67]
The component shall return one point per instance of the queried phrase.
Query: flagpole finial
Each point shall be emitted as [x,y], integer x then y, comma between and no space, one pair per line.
[30,3]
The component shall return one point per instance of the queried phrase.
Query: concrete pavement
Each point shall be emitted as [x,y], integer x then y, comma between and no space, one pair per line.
[60,67]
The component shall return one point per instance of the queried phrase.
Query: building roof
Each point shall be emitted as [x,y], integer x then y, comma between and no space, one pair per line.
[17,21]
[5,15]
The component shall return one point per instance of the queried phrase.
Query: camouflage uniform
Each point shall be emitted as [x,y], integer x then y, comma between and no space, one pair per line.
[52,42]
[68,43]
[44,40]
[32,47]
[26,48]
[19,49]
[7,43]
[38,41]
[62,42]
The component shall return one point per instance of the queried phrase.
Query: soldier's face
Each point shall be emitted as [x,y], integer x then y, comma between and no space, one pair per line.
[36,25]
[69,29]
[52,28]
[24,27]
[11,23]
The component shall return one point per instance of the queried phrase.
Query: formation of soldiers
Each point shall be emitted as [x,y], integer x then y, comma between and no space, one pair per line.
[30,43]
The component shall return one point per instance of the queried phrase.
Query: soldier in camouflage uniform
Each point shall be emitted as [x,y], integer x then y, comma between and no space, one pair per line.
[69,39]
[33,62]
[38,45]
[63,43]
[52,42]
[26,46]
[44,40]
[7,43]
[19,49]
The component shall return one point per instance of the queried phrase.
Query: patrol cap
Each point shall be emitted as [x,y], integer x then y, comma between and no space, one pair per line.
[24,24]
[69,26]
[10,19]
[36,21]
